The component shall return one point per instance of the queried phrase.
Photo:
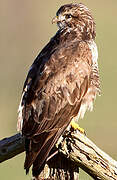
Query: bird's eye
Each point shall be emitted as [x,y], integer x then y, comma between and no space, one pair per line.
[67,16]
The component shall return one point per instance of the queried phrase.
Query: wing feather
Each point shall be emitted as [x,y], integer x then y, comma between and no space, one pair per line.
[52,94]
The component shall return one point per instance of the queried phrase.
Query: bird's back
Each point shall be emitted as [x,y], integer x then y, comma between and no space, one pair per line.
[58,87]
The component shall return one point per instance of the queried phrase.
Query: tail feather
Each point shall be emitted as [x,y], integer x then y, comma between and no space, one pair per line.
[37,153]
[42,156]
[33,148]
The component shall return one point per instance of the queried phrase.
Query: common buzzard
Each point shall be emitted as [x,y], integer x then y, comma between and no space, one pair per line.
[61,84]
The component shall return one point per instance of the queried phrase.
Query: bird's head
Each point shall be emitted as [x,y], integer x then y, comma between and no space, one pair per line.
[76,17]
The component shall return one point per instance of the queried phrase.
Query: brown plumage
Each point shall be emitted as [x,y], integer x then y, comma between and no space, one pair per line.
[61,84]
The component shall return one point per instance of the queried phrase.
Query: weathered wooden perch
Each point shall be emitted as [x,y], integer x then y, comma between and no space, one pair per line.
[84,153]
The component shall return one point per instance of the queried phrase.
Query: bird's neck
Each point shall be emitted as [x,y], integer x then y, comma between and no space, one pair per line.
[68,34]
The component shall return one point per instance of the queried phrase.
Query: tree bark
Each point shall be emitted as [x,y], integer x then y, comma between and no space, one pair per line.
[11,146]
[75,148]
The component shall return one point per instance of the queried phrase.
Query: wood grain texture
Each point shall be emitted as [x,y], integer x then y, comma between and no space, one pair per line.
[83,152]
[11,146]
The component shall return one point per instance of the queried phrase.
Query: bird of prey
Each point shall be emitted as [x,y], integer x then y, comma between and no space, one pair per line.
[61,84]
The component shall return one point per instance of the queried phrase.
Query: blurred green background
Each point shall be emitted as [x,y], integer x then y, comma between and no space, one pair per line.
[25,27]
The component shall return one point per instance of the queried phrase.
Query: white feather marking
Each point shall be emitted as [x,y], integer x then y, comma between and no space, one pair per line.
[33,105]
[82,110]
[93,48]
[20,117]
[84,107]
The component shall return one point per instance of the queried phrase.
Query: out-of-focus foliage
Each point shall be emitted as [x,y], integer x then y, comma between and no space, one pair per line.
[25,27]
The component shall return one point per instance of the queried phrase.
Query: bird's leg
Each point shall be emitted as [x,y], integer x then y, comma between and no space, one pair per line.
[75,126]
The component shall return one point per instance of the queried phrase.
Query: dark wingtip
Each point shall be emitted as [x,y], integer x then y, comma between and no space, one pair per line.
[27,171]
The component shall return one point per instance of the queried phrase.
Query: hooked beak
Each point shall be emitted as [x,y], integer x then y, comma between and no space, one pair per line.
[55,20]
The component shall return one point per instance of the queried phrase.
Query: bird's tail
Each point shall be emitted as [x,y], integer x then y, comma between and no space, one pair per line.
[37,152]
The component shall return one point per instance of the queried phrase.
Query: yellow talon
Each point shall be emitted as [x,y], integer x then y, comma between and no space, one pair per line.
[76,126]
